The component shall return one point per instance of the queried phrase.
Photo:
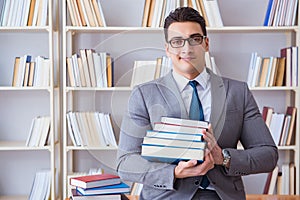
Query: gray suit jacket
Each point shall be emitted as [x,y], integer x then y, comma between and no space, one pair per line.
[234,117]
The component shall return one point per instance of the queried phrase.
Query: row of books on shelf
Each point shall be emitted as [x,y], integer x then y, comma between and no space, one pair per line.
[31,72]
[281,180]
[39,132]
[175,139]
[90,69]
[147,70]
[91,129]
[281,13]
[282,125]
[41,186]
[24,13]
[156,11]
[274,71]
[98,186]
[86,13]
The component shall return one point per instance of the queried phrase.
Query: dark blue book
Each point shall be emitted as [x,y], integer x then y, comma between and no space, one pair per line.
[110,189]
[266,22]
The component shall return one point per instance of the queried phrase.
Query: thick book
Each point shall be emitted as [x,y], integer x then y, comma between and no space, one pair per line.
[174,142]
[167,154]
[109,189]
[172,135]
[184,122]
[97,180]
[159,126]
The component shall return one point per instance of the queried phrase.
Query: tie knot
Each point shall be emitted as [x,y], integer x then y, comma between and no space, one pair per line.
[193,83]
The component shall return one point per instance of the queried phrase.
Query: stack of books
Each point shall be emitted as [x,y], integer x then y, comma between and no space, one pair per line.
[174,139]
[99,186]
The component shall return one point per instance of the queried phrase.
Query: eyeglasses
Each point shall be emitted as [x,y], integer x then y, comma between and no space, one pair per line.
[193,41]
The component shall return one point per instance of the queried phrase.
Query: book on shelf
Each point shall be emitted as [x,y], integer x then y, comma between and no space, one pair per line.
[90,69]
[24,13]
[41,186]
[76,195]
[281,13]
[154,12]
[86,13]
[96,180]
[39,132]
[270,184]
[276,126]
[108,189]
[143,71]
[91,129]
[291,111]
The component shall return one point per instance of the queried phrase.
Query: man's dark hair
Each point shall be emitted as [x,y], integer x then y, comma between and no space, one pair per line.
[184,14]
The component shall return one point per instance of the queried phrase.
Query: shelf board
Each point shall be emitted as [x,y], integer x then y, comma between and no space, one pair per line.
[290,147]
[98,89]
[19,145]
[232,29]
[22,29]
[23,88]
[68,148]
[284,88]
[23,197]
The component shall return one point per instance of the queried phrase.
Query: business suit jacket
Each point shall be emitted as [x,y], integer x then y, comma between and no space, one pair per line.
[234,117]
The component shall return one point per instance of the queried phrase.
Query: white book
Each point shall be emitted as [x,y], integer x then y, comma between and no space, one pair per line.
[76,70]
[85,67]
[30,133]
[5,12]
[98,69]
[35,13]
[71,131]
[256,73]
[99,130]
[101,13]
[25,12]
[82,129]
[143,71]
[184,122]
[103,57]
[251,68]
[75,128]
[110,130]
[285,178]
[276,125]
[44,131]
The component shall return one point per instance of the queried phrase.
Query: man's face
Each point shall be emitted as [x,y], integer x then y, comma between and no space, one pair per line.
[188,60]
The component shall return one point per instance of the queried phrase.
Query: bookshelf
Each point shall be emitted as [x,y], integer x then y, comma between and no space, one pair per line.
[126,41]
[20,104]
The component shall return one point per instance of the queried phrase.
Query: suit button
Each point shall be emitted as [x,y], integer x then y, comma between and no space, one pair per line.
[197,182]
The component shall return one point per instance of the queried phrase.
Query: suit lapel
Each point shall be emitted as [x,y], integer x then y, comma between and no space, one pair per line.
[218,107]
[169,82]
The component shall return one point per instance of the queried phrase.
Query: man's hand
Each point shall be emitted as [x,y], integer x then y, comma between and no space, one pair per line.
[213,146]
[190,168]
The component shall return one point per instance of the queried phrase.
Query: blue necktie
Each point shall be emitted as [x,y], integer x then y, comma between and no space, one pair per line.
[196,113]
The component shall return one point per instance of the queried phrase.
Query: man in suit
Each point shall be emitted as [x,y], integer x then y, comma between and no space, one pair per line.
[228,106]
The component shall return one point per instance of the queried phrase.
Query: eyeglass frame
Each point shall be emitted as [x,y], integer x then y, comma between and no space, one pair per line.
[188,39]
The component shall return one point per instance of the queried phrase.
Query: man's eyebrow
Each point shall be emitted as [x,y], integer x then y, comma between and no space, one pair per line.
[195,34]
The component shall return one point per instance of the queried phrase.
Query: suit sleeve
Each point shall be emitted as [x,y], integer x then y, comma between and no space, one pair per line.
[260,153]
[130,165]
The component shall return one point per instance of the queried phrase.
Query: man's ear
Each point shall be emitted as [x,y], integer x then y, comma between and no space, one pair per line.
[206,44]
[167,49]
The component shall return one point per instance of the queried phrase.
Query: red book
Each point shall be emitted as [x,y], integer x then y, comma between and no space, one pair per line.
[97,180]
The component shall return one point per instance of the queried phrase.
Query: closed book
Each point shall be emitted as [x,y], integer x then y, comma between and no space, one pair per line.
[109,189]
[172,135]
[174,142]
[77,196]
[166,154]
[97,180]
[159,126]
[184,122]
